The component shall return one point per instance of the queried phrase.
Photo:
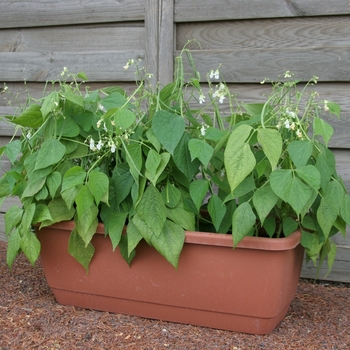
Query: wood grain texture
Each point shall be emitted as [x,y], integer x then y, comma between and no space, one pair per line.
[41,66]
[208,10]
[273,33]
[73,38]
[254,65]
[35,13]
[166,42]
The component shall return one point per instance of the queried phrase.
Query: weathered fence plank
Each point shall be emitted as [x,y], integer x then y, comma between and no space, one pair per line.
[22,13]
[272,33]
[208,10]
[254,65]
[41,66]
[73,38]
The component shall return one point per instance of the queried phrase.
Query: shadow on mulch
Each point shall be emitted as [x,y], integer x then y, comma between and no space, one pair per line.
[319,318]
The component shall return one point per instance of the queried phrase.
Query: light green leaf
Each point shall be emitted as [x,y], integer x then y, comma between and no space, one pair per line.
[87,212]
[13,247]
[345,209]
[300,152]
[310,175]
[198,191]
[171,195]
[51,152]
[116,224]
[33,187]
[77,249]
[243,220]
[72,97]
[124,118]
[53,183]
[134,237]
[75,176]
[239,163]
[289,226]
[152,162]
[30,246]
[201,150]
[217,211]
[42,213]
[98,184]
[326,216]
[31,117]
[59,211]
[69,196]
[321,127]
[290,189]
[12,218]
[67,127]
[271,143]
[122,181]
[114,100]
[182,217]
[264,199]
[13,149]
[152,211]
[134,159]
[27,217]
[50,103]
[168,129]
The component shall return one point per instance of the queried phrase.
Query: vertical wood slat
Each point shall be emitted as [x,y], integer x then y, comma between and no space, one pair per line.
[152,38]
[166,42]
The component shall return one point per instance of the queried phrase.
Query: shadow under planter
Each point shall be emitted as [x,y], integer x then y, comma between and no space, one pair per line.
[248,289]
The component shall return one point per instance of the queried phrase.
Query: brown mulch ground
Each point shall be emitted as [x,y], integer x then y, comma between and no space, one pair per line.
[319,318]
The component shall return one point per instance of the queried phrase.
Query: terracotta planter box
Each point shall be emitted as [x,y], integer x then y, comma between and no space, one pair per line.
[248,289]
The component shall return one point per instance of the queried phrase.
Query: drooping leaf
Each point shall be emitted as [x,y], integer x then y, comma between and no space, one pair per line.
[13,149]
[243,220]
[30,246]
[239,163]
[198,191]
[13,247]
[122,181]
[290,189]
[98,184]
[42,213]
[182,158]
[50,103]
[59,211]
[170,242]
[33,187]
[217,211]
[152,163]
[152,211]
[116,224]
[13,217]
[134,237]
[124,118]
[77,249]
[168,128]
[134,159]
[264,199]
[345,209]
[321,127]
[271,143]
[289,226]
[53,183]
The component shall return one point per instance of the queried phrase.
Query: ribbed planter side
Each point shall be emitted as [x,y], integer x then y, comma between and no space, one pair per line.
[248,289]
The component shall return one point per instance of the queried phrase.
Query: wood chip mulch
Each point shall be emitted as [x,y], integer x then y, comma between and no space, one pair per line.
[30,318]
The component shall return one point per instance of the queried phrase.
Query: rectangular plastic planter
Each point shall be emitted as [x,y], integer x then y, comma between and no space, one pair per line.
[248,289]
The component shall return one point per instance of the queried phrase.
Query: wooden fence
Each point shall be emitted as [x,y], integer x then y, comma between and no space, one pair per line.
[251,40]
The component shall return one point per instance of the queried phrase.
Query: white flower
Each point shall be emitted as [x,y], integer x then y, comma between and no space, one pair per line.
[98,124]
[288,74]
[29,135]
[299,134]
[105,127]
[214,74]
[291,113]
[101,108]
[286,124]
[292,126]
[99,145]
[326,108]
[113,148]
[203,129]
[201,98]
[221,99]
[92,145]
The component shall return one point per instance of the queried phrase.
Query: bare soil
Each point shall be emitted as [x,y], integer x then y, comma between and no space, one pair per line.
[30,318]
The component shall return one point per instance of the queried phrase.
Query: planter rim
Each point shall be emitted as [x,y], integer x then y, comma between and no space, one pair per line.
[217,239]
